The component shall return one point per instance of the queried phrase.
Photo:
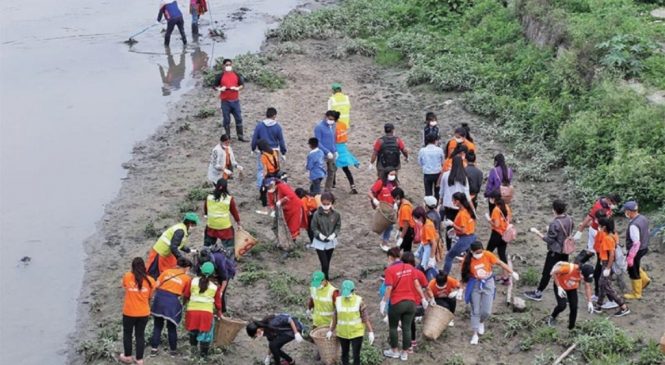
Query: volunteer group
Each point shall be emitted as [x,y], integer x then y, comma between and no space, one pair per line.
[422,239]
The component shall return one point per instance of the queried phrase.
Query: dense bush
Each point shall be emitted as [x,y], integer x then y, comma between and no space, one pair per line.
[556,104]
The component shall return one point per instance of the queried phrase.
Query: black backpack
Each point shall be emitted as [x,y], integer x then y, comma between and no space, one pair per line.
[389,152]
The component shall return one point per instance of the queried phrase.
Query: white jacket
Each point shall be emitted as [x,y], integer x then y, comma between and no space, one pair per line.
[218,161]
[446,192]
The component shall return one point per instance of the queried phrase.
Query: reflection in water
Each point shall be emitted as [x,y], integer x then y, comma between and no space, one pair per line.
[199,61]
[172,78]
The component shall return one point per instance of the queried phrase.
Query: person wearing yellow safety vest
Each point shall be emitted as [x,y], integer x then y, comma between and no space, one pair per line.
[218,208]
[167,250]
[321,303]
[203,300]
[340,102]
[350,320]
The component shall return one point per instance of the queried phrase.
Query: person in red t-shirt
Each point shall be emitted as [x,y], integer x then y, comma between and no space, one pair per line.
[381,192]
[229,83]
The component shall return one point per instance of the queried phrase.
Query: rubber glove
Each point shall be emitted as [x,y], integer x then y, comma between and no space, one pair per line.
[453,294]
[336,155]
[157,22]
[448,223]
[223,88]
[267,360]
[560,292]
[432,302]
[577,236]
[606,272]
[382,307]
[279,203]
[399,241]
[515,276]
[240,168]
[589,307]
[375,201]
[308,313]
[487,216]
[332,236]
[322,237]
[330,156]
[460,294]
[431,262]
[272,214]
[371,338]
[534,230]
[370,167]
[328,335]
[424,303]
[299,338]
[228,172]
[283,157]
[193,250]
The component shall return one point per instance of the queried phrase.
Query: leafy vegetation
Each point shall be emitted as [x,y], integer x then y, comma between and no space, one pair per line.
[253,67]
[560,100]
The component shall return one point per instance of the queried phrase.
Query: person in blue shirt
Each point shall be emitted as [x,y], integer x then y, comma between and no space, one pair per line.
[269,130]
[430,158]
[170,11]
[316,166]
[325,133]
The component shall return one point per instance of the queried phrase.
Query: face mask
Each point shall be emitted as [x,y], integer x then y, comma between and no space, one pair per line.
[459,140]
[326,207]
[330,122]
[391,177]
[432,123]
[228,68]
[477,255]
[395,206]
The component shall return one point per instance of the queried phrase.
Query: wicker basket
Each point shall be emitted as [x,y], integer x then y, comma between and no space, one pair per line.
[243,242]
[436,320]
[329,349]
[384,216]
[226,330]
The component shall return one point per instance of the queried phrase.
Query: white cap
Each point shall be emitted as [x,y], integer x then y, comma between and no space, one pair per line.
[430,201]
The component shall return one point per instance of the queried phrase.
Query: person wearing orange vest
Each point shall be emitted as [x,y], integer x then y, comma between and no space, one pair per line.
[166,306]
[222,161]
[203,300]
[136,310]
[229,83]
[567,277]
[170,245]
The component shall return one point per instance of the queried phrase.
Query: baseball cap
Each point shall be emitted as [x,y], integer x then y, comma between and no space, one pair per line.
[317,279]
[347,288]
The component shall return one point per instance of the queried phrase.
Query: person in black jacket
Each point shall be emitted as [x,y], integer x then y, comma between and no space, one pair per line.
[475,177]
[279,330]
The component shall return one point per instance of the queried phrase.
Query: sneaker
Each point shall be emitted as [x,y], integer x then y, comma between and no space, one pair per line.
[404,356]
[384,247]
[550,321]
[481,329]
[391,354]
[534,295]
[353,190]
[154,352]
[597,309]
[474,339]
[610,305]
[410,350]
[173,353]
[451,324]
[622,312]
[139,362]
[594,298]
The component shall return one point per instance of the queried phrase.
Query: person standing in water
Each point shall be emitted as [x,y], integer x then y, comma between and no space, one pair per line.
[197,8]
[170,11]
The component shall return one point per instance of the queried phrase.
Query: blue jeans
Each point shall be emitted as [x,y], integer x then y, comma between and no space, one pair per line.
[315,186]
[228,108]
[463,244]
[385,236]
[423,253]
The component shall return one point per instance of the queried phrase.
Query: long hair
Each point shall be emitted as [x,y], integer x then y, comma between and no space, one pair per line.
[384,178]
[461,198]
[467,132]
[203,283]
[499,202]
[221,189]
[457,172]
[500,161]
[264,146]
[263,324]
[466,264]
[139,271]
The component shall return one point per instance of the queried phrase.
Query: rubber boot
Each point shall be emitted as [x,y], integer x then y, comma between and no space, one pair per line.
[644,278]
[195,32]
[240,134]
[205,346]
[227,131]
[637,290]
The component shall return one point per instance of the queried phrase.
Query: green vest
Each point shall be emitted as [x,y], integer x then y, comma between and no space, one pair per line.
[163,244]
[219,212]
[340,103]
[323,305]
[202,301]
[349,323]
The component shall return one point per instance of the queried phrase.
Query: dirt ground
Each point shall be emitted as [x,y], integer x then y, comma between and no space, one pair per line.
[167,166]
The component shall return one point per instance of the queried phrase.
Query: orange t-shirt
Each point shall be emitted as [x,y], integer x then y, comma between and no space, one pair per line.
[310,203]
[482,268]
[405,215]
[341,133]
[607,244]
[464,220]
[174,280]
[448,164]
[598,240]
[500,223]
[568,277]
[451,284]
[137,303]
[452,144]
[429,233]
[270,162]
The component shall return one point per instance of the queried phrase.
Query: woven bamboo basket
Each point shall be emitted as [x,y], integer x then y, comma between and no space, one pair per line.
[329,349]
[384,216]
[436,320]
[243,242]
[226,330]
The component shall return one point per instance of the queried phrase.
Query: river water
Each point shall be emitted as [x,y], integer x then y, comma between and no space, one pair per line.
[73,101]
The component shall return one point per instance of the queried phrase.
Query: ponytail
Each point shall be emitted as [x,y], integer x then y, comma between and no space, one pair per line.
[467,132]
[466,267]
[203,284]
[221,189]
[461,198]
[139,271]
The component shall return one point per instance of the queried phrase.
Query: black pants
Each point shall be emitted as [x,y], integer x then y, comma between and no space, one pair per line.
[597,271]
[157,333]
[263,195]
[205,346]
[356,344]
[450,214]
[137,326]
[430,181]
[349,176]
[634,271]
[325,257]
[407,243]
[551,260]
[497,242]
[448,303]
[172,23]
[571,300]
[275,345]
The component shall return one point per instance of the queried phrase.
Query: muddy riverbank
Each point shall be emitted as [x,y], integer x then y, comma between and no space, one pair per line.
[168,170]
